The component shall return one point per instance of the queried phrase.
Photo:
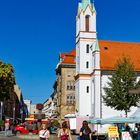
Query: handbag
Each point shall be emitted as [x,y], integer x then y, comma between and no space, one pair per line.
[43,135]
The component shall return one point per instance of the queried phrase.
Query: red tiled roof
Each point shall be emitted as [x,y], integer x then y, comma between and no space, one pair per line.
[68,58]
[110,52]
[62,54]
[73,52]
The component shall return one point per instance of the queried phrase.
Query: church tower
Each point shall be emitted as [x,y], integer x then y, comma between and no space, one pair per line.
[87,60]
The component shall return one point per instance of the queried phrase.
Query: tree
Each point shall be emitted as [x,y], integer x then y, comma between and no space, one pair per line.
[123,79]
[7,80]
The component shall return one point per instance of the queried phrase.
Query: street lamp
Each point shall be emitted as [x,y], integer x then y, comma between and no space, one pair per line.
[14,111]
[21,113]
[1,109]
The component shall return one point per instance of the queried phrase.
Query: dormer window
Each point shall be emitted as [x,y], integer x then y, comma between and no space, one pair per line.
[87,23]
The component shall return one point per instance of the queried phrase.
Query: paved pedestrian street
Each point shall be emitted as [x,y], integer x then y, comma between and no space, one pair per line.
[30,137]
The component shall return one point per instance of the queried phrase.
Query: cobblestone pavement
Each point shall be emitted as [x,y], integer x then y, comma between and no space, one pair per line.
[30,137]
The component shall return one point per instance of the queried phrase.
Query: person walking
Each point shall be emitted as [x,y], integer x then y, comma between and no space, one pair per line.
[44,133]
[85,132]
[64,133]
[7,126]
[137,127]
[12,127]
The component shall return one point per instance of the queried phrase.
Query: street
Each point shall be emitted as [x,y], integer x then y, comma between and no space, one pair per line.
[30,137]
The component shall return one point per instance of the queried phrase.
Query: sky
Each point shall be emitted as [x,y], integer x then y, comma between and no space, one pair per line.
[34,32]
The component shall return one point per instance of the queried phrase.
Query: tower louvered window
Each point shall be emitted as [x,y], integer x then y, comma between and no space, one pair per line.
[87,23]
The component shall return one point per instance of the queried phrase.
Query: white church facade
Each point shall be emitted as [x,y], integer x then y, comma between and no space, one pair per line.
[95,59]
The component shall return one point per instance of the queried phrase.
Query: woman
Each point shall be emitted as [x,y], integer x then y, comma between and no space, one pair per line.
[44,133]
[64,133]
[85,132]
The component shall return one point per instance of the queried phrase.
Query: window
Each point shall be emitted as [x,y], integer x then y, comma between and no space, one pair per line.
[87,64]
[87,89]
[70,100]
[73,87]
[87,23]
[70,85]
[87,48]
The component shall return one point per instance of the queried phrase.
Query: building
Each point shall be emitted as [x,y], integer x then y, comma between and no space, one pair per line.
[50,105]
[46,109]
[95,59]
[13,107]
[65,72]
[28,104]
[33,109]
[55,101]
[50,109]
[84,72]
[23,109]
[62,100]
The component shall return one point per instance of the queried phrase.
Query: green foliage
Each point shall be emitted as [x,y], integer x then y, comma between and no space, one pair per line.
[55,123]
[12,122]
[1,122]
[7,80]
[123,79]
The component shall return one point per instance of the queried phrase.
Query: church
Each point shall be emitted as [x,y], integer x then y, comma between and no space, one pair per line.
[87,68]
[95,60]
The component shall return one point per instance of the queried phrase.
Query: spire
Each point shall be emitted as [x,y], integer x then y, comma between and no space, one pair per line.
[97,46]
[85,3]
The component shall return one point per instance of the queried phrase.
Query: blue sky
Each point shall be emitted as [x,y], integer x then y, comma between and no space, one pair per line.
[34,32]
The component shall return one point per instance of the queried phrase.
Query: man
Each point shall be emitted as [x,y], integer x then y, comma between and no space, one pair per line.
[7,125]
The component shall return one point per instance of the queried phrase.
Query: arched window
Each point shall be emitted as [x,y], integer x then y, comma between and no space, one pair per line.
[87,48]
[87,23]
